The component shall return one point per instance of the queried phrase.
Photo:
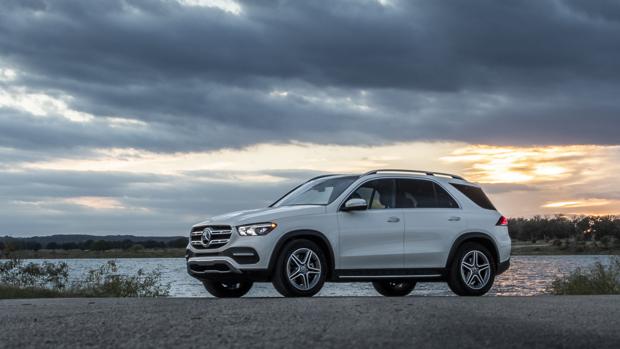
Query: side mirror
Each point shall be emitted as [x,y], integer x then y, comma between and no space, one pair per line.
[355,205]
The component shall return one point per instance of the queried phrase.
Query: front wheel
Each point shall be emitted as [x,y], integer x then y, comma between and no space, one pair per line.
[472,271]
[230,289]
[394,288]
[301,269]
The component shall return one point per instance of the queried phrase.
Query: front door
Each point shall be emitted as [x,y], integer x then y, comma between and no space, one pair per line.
[373,238]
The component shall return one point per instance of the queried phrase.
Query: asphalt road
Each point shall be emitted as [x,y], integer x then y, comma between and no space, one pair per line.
[428,322]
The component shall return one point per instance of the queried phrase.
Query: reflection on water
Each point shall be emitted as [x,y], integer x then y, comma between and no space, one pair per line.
[527,276]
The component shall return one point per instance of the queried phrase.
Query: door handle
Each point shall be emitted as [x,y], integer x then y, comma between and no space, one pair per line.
[454,219]
[393,220]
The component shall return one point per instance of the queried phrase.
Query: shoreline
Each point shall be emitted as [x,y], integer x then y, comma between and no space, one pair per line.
[519,249]
[109,254]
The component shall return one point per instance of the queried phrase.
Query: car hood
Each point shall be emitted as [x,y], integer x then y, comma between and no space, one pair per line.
[260,215]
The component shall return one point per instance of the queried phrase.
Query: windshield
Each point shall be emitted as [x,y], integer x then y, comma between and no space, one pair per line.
[322,191]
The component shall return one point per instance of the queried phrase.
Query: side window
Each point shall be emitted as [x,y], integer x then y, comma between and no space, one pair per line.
[378,193]
[415,193]
[364,192]
[444,200]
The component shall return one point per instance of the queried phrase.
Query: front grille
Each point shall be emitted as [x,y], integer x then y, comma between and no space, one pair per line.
[220,235]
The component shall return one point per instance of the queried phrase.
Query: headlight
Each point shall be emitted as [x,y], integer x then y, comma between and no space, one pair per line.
[256,229]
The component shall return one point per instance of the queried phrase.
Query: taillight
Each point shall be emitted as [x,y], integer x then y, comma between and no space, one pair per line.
[502,221]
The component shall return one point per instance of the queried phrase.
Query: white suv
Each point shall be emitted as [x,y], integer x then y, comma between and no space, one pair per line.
[389,227]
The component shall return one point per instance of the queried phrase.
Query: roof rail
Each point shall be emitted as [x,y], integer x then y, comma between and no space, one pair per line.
[428,173]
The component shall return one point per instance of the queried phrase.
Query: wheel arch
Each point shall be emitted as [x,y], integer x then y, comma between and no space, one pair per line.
[308,234]
[481,238]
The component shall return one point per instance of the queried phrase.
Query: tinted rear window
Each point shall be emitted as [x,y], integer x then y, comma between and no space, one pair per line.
[415,193]
[476,195]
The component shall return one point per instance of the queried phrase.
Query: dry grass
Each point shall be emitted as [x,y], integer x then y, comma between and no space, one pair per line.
[49,280]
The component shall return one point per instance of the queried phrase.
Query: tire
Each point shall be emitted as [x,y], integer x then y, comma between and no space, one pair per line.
[232,289]
[475,263]
[394,288]
[305,259]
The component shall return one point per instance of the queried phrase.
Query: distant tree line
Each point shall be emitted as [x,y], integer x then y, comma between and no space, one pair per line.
[537,228]
[93,245]
[580,228]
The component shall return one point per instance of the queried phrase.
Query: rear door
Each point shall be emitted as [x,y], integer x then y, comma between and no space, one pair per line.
[432,220]
[373,238]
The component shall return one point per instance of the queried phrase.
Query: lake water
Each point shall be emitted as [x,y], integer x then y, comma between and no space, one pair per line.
[527,276]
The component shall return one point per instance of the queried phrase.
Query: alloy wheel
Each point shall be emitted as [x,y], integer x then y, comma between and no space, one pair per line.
[475,269]
[303,269]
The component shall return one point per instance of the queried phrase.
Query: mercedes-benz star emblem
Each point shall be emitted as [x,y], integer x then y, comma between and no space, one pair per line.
[206,236]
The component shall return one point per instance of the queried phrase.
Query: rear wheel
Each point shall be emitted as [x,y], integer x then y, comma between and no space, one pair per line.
[228,289]
[394,288]
[472,271]
[300,270]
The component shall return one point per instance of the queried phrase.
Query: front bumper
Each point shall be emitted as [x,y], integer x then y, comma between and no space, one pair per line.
[240,255]
[232,263]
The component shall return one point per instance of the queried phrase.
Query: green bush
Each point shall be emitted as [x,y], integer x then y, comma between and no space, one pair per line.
[33,280]
[598,279]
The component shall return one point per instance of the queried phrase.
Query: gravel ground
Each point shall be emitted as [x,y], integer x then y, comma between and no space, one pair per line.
[429,322]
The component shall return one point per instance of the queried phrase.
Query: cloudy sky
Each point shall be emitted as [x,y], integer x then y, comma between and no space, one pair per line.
[145,116]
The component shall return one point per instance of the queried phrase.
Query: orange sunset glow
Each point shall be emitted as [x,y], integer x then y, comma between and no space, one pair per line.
[524,180]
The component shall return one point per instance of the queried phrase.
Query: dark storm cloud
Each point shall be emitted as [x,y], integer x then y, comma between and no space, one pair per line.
[608,10]
[196,73]
[423,45]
